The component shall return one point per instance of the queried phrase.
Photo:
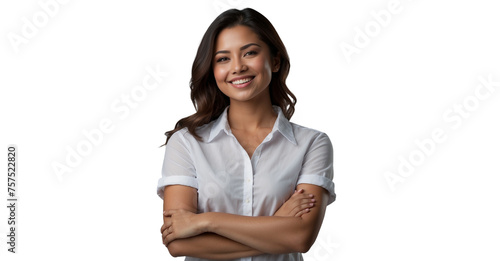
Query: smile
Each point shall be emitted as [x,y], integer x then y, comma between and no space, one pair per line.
[242,83]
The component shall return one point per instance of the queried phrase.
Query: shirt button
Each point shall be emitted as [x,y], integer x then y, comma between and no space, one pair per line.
[247,201]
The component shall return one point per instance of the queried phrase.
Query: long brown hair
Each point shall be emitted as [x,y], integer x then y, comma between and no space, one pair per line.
[207,99]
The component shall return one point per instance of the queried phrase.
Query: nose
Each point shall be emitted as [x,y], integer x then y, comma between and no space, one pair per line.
[238,66]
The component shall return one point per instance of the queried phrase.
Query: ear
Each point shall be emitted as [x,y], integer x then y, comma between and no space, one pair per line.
[276,62]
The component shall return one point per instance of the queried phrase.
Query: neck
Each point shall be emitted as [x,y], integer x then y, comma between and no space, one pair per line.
[251,116]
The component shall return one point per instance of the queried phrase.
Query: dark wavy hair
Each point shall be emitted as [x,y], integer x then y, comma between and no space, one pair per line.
[207,99]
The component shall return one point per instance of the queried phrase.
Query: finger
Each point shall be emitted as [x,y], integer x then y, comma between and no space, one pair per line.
[304,198]
[298,196]
[303,201]
[169,238]
[165,232]
[308,205]
[165,240]
[307,200]
[298,200]
[168,231]
[304,206]
[302,212]
[169,212]
[297,192]
[163,227]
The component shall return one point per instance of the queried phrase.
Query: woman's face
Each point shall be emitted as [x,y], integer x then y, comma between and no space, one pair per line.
[243,65]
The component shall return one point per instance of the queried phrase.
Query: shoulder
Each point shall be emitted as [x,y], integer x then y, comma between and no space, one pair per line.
[308,135]
[187,137]
[179,135]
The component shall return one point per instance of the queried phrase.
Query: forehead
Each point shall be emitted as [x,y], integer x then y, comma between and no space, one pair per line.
[236,37]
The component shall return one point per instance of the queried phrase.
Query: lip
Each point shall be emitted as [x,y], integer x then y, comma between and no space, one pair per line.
[241,77]
[241,85]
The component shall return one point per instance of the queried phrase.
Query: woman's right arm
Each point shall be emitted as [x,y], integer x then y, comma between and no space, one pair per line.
[213,246]
[208,245]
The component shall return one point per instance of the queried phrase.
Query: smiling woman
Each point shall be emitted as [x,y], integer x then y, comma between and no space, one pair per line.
[243,66]
[239,181]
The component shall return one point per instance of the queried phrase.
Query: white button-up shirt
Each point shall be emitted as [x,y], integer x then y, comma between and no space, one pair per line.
[229,181]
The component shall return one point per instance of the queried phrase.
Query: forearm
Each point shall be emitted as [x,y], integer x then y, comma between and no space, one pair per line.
[210,246]
[266,234]
[273,235]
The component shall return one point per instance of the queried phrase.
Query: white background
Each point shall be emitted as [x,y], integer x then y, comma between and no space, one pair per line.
[426,60]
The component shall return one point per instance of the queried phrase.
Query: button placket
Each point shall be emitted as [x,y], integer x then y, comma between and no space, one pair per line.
[247,182]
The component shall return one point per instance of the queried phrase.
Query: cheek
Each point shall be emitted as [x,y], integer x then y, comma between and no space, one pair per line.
[262,65]
[220,74]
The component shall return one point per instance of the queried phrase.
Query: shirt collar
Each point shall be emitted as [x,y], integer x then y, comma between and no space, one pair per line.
[282,125]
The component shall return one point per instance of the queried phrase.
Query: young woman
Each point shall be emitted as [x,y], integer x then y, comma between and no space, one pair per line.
[239,181]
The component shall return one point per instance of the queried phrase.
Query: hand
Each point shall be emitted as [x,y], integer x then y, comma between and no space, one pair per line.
[297,205]
[164,227]
[180,223]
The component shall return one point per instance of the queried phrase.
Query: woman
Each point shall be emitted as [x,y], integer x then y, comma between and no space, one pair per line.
[230,170]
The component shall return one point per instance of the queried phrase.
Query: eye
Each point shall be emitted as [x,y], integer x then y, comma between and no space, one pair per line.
[250,53]
[222,59]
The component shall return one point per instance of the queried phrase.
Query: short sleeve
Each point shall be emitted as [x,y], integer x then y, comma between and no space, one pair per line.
[317,167]
[178,167]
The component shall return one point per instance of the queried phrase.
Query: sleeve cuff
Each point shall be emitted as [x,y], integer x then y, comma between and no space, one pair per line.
[321,181]
[175,180]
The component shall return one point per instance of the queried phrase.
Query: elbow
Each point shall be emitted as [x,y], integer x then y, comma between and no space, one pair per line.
[175,249]
[303,242]
[304,239]
[303,246]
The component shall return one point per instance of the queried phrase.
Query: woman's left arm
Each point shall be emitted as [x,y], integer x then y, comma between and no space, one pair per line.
[268,234]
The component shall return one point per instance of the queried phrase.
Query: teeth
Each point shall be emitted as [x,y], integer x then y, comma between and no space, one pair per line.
[241,81]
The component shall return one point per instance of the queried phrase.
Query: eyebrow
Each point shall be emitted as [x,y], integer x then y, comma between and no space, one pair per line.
[241,48]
